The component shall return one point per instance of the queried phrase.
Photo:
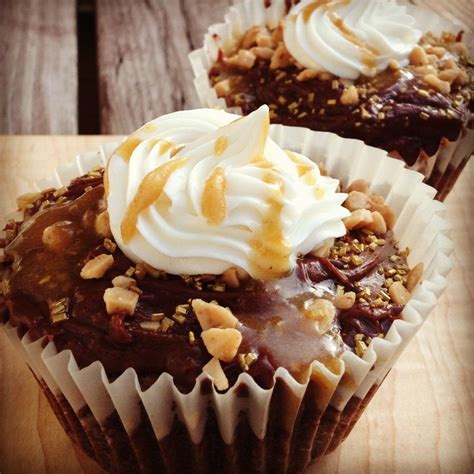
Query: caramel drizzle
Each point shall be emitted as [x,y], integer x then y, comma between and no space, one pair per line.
[213,204]
[270,254]
[126,149]
[148,192]
[221,145]
[309,9]
[301,166]
[368,53]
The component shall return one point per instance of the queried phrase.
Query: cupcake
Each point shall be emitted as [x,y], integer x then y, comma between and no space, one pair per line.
[214,301]
[394,76]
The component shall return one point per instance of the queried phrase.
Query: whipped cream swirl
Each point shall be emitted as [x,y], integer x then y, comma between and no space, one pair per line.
[201,191]
[349,38]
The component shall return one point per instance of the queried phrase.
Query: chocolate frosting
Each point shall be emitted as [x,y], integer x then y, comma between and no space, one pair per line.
[272,327]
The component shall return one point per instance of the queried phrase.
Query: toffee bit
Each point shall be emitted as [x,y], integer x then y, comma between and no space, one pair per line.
[381,242]
[356,260]
[166,323]
[242,363]
[44,280]
[150,325]
[360,348]
[250,358]
[135,289]
[192,337]
[179,318]
[331,102]
[59,310]
[424,116]
[157,316]
[88,188]
[109,245]
[182,309]
[394,258]
[218,287]
[130,272]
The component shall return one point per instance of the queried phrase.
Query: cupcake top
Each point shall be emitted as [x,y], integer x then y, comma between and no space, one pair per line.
[202,192]
[281,269]
[349,38]
[361,69]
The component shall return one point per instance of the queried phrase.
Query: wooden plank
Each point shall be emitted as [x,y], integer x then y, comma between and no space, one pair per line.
[421,420]
[142,55]
[457,11]
[38,67]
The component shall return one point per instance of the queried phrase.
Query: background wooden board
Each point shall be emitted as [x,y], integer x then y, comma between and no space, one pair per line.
[421,420]
[38,66]
[133,68]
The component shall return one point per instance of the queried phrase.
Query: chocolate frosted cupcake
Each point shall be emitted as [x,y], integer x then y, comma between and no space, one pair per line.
[370,70]
[215,302]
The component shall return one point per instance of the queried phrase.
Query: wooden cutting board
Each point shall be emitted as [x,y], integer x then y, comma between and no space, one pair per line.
[421,420]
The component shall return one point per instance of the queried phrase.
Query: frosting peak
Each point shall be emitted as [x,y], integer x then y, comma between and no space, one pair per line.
[349,38]
[201,191]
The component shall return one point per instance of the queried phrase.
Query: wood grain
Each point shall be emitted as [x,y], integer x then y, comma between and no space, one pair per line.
[421,420]
[143,68]
[457,11]
[38,66]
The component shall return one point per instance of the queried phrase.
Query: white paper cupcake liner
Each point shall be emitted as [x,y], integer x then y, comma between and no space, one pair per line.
[440,169]
[420,226]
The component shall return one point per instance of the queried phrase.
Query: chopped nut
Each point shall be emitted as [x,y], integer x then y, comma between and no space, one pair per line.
[344,301]
[97,267]
[387,213]
[120,300]
[398,293]
[281,58]
[377,198]
[277,34]
[214,370]
[243,60]
[57,236]
[459,48]
[322,312]
[59,310]
[109,245]
[360,347]
[441,86]
[222,343]
[102,225]
[418,56]
[250,37]
[231,278]
[264,40]
[358,219]
[393,64]
[26,200]
[378,225]
[462,77]
[262,52]
[122,281]
[213,315]
[414,277]
[350,96]
[360,185]
[222,88]
[357,200]
[191,337]
[307,74]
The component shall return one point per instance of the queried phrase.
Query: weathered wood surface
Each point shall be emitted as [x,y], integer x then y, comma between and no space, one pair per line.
[421,419]
[142,55]
[142,49]
[38,67]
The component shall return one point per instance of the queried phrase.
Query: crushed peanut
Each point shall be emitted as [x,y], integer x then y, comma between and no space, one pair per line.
[212,315]
[102,225]
[214,370]
[97,267]
[414,277]
[122,281]
[222,343]
[360,185]
[231,278]
[281,58]
[357,200]
[345,300]
[120,300]
[358,219]
[350,96]
[243,60]
[398,293]
[322,312]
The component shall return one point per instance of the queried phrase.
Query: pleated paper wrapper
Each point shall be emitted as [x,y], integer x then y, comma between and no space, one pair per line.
[248,429]
[440,169]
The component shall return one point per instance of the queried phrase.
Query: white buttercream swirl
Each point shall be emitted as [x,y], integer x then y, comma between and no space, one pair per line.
[201,191]
[349,38]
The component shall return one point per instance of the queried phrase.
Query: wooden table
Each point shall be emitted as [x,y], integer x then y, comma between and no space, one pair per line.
[421,420]
[110,65]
